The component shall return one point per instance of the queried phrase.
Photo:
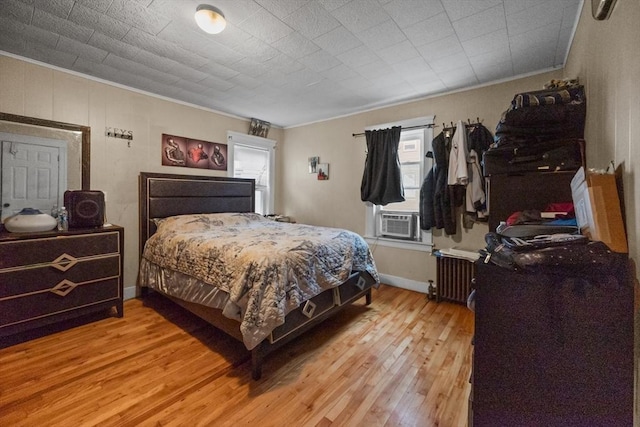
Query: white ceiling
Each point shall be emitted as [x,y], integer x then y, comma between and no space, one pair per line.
[291,62]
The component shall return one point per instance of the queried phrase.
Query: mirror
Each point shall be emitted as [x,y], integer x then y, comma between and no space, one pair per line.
[74,144]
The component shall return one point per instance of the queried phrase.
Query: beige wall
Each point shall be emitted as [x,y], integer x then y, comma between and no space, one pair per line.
[32,90]
[605,57]
[336,202]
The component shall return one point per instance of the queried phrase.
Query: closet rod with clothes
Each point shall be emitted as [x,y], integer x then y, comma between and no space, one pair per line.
[404,128]
[468,125]
[449,129]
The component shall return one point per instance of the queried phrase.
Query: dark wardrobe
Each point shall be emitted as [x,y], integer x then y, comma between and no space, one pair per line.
[553,348]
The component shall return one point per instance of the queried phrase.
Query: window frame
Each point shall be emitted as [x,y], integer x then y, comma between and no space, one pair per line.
[260,143]
[425,243]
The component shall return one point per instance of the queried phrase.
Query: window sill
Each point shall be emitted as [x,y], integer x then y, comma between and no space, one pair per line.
[400,244]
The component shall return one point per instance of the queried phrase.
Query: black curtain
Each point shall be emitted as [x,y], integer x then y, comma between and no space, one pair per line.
[382,179]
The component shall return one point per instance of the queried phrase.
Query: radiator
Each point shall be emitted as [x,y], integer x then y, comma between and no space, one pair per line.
[453,281]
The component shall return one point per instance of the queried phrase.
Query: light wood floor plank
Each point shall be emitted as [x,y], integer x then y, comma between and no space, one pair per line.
[402,361]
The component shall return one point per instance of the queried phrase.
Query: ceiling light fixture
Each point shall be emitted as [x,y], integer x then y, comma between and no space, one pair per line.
[210,19]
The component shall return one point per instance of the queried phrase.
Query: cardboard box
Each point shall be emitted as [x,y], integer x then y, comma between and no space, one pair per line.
[598,211]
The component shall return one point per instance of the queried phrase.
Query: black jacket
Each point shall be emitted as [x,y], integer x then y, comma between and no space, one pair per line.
[435,195]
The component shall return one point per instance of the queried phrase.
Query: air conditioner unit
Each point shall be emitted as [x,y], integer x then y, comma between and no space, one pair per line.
[397,224]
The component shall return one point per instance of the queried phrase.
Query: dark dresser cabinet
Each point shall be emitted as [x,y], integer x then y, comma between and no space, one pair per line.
[50,277]
[553,349]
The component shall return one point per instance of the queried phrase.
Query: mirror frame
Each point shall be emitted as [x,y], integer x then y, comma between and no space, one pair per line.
[86,139]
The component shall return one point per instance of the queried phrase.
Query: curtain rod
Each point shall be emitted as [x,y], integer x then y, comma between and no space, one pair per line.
[431,125]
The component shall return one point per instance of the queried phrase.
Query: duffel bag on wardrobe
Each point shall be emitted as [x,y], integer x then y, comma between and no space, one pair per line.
[547,156]
[558,96]
[542,123]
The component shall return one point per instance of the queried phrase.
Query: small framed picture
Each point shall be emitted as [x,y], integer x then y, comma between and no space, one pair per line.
[259,128]
[323,171]
[313,164]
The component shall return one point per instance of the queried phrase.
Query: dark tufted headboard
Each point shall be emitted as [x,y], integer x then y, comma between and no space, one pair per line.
[164,195]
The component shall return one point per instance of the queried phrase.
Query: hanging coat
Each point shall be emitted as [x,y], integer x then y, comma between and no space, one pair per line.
[426,207]
[479,139]
[475,195]
[459,156]
[440,203]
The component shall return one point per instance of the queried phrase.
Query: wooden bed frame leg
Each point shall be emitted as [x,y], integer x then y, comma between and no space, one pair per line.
[256,362]
[368,297]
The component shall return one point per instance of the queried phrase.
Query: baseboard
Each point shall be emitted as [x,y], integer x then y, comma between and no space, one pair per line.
[401,282]
[129,293]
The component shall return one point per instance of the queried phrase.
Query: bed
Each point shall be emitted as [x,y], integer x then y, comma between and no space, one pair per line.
[261,281]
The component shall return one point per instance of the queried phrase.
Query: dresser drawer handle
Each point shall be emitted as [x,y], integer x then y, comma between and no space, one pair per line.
[309,308]
[64,287]
[64,262]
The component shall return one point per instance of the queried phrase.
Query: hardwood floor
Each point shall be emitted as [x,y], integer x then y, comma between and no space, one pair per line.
[402,361]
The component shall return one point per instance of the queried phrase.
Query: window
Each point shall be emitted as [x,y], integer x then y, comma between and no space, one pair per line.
[410,154]
[254,157]
[388,224]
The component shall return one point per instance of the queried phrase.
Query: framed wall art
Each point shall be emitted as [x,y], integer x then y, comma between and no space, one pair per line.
[259,128]
[323,171]
[313,164]
[193,153]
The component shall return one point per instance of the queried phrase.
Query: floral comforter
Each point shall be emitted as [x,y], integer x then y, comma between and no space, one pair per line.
[268,268]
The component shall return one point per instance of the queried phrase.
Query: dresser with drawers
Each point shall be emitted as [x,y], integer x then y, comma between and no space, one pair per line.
[50,277]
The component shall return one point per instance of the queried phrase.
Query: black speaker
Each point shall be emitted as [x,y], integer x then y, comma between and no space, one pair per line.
[85,207]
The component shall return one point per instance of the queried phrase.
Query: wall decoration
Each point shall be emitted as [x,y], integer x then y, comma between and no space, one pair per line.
[259,128]
[198,154]
[323,171]
[174,151]
[118,133]
[219,157]
[313,164]
[193,153]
